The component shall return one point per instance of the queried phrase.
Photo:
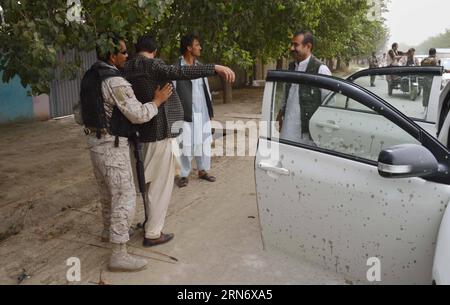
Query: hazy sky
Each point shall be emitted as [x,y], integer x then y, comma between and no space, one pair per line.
[413,21]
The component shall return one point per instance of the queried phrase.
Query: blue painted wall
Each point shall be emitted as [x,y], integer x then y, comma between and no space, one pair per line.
[15,104]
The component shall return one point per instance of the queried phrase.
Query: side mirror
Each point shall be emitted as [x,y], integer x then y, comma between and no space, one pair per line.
[407,161]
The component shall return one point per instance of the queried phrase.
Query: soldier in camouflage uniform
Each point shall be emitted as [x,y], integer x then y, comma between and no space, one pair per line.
[110,153]
[430,61]
[373,63]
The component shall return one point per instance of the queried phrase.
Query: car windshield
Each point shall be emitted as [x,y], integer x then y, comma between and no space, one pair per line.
[410,93]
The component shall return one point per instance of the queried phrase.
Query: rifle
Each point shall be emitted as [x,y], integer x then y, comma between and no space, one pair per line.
[140,172]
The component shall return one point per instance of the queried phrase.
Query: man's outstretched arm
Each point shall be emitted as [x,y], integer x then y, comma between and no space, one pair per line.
[162,71]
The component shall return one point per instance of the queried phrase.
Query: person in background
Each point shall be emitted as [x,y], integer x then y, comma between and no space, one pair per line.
[373,64]
[198,113]
[299,105]
[109,110]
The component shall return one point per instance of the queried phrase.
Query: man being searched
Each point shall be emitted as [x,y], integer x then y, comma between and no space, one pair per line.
[146,72]
[109,108]
[394,56]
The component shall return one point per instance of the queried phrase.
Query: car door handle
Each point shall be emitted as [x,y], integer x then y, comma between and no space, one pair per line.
[274,169]
[328,124]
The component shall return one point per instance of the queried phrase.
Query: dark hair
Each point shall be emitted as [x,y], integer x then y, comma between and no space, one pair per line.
[432,52]
[187,41]
[308,37]
[115,38]
[394,45]
[146,44]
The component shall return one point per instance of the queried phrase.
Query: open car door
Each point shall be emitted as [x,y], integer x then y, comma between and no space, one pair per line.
[444,117]
[325,196]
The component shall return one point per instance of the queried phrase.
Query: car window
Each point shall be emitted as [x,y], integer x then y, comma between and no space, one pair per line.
[408,93]
[336,100]
[306,116]
[446,63]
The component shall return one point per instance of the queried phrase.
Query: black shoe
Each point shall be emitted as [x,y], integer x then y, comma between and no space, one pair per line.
[181,181]
[205,176]
[164,238]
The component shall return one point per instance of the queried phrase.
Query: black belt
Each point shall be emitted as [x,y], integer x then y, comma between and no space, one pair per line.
[88,131]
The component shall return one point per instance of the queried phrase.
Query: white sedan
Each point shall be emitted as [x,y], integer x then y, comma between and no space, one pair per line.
[365,189]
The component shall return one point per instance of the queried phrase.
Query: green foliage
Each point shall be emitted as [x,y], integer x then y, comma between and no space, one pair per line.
[36,31]
[233,32]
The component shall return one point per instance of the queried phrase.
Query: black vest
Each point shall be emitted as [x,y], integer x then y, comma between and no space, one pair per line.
[93,104]
[310,97]
[167,123]
[184,90]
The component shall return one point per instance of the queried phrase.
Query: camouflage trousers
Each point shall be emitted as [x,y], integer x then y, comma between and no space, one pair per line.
[112,170]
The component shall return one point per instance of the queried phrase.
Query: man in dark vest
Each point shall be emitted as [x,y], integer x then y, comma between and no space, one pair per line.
[146,72]
[198,113]
[109,110]
[301,101]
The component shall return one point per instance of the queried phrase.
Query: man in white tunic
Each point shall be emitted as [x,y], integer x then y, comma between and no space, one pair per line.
[198,111]
[296,112]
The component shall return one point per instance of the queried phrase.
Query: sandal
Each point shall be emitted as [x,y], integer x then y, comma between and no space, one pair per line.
[182,182]
[205,176]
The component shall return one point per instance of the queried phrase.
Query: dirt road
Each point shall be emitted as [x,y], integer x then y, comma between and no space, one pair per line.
[50,212]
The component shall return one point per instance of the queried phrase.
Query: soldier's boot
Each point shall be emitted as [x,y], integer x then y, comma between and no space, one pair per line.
[105,234]
[121,261]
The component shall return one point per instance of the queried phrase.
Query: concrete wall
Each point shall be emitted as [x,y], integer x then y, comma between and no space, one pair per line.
[15,104]
[41,107]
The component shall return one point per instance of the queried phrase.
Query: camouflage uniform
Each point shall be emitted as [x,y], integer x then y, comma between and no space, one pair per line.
[112,165]
[430,61]
[373,63]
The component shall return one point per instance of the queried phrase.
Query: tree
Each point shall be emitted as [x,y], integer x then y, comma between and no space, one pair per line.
[35,31]
[438,41]
[234,32]
[237,32]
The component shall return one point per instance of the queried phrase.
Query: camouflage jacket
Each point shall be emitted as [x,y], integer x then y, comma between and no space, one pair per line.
[430,62]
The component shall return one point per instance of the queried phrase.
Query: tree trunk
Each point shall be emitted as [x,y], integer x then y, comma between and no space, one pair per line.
[227,92]
[280,64]
[330,64]
[339,63]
